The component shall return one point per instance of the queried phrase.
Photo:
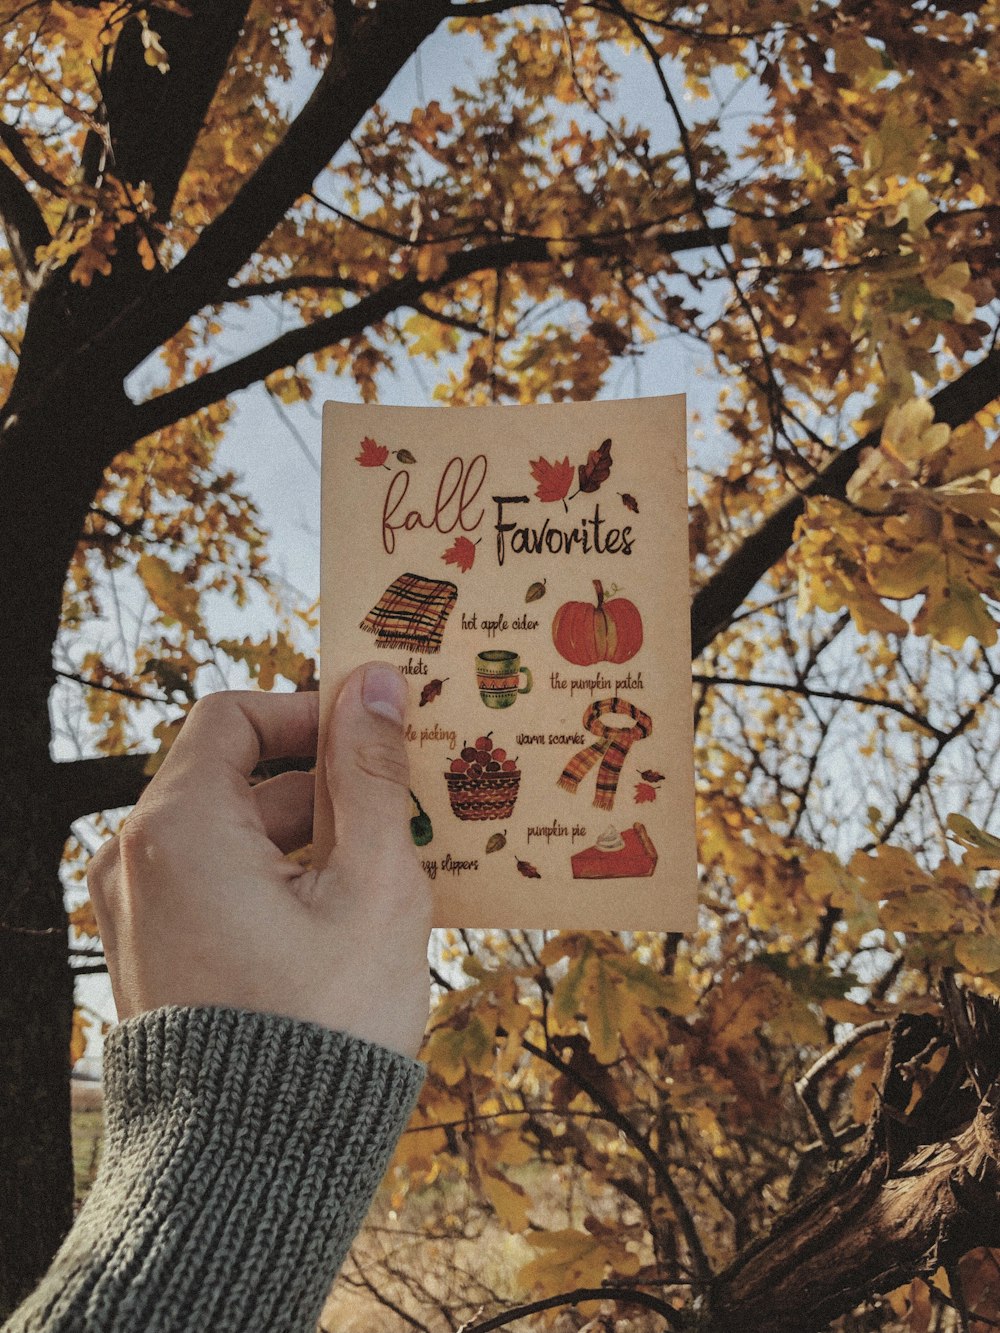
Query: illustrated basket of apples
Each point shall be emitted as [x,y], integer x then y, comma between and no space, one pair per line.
[483,782]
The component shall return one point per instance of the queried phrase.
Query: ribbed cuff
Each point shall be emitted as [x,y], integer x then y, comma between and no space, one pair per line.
[242,1153]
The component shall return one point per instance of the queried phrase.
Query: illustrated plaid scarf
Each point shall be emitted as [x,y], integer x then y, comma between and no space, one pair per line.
[411,613]
[611,748]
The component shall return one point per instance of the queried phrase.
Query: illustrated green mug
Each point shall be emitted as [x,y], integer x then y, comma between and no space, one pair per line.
[497,672]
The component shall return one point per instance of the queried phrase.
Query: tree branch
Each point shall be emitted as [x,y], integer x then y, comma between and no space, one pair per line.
[715,603]
[922,1191]
[19,151]
[123,690]
[657,1165]
[362,64]
[84,786]
[806,1087]
[286,350]
[623,1295]
[320,282]
[154,117]
[811,692]
[24,225]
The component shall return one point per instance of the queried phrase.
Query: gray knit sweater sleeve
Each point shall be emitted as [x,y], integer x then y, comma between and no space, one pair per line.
[242,1153]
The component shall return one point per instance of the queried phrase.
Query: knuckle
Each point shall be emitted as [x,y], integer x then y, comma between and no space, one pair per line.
[102,866]
[214,706]
[383,761]
[143,838]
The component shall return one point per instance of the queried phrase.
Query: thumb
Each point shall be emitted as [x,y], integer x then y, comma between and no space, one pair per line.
[368,769]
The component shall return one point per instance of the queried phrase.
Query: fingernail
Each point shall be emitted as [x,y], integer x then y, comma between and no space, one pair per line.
[383,692]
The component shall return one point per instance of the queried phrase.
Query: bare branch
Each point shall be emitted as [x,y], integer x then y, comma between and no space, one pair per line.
[812,692]
[806,1087]
[657,1165]
[123,690]
[320,282]
[623,1295]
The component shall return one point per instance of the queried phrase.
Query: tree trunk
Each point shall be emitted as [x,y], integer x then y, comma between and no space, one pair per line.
[47,479]
[36,1013]
[923,1190]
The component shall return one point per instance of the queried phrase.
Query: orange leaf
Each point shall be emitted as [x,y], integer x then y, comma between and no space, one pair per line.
[554,479]
[644,792]
[372,454]
[462,553]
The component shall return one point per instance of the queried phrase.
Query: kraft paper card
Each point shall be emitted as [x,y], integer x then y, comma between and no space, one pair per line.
[526,568]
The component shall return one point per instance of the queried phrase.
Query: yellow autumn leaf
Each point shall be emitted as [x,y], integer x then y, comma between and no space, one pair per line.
[981,849]
[951,284]
[978,954]
[78,1039]
[166,733]
[609,989]
[453,1050]
[916,207]
[509,1200]
[954,613]
[910,434]
[172,594]
[903,574]
[931,910]
[887,871]
[429,337]
[432,262]
[964,830]
[571,1258]
[82,919]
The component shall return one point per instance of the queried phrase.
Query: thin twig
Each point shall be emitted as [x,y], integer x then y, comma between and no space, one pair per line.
[627,1296]
[806,1086]
[810,692]
[656,1163]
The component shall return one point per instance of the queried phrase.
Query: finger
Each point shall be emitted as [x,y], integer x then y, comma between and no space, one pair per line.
[227,734]
[367,767]
[285,805]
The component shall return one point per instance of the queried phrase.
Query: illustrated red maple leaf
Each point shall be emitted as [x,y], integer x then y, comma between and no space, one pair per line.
[554,479]
[644,792]
[462,553]
[372,454]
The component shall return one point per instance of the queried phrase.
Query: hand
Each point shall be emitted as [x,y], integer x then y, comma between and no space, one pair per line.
[197,904]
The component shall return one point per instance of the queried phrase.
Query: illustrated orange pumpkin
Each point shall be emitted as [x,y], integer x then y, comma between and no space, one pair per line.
[608,632]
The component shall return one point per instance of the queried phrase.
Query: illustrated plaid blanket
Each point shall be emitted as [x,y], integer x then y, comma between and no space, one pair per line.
[411,613]
[611,748]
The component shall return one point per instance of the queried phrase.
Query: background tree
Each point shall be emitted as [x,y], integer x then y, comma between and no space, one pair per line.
[527,234]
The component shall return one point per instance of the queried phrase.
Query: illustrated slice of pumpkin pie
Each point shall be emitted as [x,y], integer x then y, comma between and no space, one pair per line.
[616,855]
